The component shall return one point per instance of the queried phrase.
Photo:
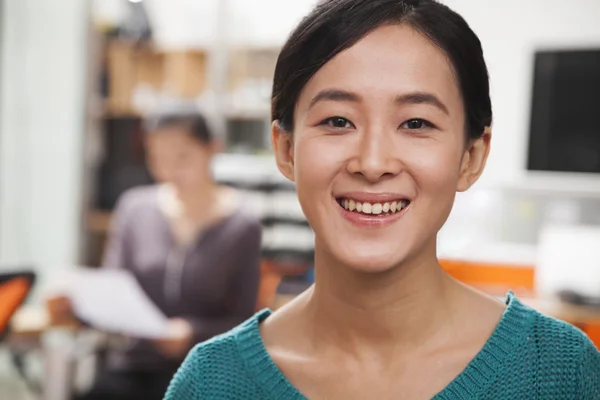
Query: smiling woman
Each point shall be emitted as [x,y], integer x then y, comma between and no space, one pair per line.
[381,114]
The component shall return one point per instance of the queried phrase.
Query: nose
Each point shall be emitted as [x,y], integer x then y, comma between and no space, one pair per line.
[376,157]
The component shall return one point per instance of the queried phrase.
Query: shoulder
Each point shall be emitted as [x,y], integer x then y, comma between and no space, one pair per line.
[245,227]
[568,348]
[247,220]
[557,336]
[208,368]
[553,337]
[219,368]
[133,202]
[139,196]
[563,352]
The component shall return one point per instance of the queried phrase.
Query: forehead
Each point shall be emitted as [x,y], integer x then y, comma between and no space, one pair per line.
[389,61]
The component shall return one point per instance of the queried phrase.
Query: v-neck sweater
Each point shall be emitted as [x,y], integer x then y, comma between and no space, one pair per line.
[528,356]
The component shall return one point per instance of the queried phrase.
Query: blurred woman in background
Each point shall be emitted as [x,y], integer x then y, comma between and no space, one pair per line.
[191,247]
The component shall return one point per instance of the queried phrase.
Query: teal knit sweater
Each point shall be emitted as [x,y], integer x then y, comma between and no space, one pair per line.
[529,356]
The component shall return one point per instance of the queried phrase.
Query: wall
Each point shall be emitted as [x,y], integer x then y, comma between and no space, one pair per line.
[192,23]
[42,103]
[510,31]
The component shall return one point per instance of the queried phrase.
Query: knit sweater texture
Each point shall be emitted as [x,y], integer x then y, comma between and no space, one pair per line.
[528,356]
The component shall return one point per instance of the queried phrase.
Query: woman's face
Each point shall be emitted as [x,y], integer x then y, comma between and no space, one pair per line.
[175,157]
[379,150]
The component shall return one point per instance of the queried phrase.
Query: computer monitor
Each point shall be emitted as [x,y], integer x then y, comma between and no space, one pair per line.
[564,131]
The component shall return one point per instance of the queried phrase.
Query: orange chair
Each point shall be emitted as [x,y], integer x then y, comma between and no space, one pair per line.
[14,288]
[270,278]
[494,278]
[272,272]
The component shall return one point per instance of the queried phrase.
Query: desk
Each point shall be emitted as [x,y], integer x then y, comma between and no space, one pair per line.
[61,348]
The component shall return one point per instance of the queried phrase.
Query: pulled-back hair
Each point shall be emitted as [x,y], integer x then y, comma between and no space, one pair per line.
[336,25]
[192,122]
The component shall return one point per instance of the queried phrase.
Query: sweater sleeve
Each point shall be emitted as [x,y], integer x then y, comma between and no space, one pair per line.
[243,288]
[589,372]
[186,383]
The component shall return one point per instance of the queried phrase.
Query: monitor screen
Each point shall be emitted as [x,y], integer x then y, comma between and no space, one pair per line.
[564,134]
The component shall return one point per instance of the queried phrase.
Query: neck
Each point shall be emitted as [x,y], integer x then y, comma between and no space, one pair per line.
[200,200]
[401,308]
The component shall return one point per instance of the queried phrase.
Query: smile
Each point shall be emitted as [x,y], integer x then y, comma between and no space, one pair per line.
[373,208]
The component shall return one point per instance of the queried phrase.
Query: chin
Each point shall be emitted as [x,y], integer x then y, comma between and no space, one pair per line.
[371,265]
[372,259]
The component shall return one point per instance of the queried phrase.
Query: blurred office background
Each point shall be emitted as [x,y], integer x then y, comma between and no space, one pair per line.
[77,76]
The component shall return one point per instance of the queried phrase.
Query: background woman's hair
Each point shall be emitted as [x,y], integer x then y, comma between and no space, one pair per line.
[336,25]
[192,122]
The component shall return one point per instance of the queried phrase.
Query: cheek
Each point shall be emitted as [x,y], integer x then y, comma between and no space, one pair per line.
[437,171]
[158,170]
[436,175]
[319,159]
[435,164]
[197,164]
[317,162]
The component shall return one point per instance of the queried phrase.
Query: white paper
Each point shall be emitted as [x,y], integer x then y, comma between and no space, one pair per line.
[569,259]
[113,301]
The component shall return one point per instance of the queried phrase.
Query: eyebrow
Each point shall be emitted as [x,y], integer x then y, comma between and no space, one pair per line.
[407,98]
[422,98]
[334,95]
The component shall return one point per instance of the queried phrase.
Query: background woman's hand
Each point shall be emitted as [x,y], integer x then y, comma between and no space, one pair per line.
[60,311]
[179,339]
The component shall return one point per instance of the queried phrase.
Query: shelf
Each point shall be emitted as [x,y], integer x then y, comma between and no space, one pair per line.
[98,221]
[178,73]
[555,184]
[122,113]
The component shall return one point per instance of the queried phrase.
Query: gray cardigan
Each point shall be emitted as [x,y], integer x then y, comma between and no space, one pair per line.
[213,284]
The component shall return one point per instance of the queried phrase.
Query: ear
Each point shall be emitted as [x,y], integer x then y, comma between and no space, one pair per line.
[473,160]
[283,146]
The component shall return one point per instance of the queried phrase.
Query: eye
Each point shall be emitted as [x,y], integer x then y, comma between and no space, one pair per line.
[338,123]
[416,124]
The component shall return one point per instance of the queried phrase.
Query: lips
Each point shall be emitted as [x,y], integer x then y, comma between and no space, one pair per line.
[372,209]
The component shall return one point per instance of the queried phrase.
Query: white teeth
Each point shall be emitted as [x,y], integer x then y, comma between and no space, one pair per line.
[367,208]
[377,208]
[373,208]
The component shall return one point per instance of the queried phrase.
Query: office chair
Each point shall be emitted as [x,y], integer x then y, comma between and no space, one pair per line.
[14,288]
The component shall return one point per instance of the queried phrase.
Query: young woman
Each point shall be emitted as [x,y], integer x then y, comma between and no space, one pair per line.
[381,113]
[192,248]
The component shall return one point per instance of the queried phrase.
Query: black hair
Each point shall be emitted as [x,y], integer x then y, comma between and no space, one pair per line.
[193,123]
[336,25]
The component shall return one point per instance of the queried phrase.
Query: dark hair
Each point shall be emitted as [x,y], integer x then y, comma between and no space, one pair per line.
[193,123]
[336,25]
